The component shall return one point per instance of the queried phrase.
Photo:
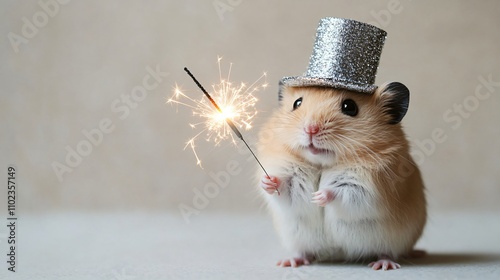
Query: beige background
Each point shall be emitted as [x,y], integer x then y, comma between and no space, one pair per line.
[65,78]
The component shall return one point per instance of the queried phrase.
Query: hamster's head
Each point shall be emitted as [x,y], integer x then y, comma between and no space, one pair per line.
[327,126]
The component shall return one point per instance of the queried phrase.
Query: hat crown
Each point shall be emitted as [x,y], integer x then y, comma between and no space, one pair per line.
[347,51]
[345,56]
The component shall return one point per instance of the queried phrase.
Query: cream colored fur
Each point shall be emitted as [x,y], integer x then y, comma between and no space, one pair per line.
[384,214]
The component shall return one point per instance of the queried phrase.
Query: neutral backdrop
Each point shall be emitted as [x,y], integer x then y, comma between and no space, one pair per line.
[64,76]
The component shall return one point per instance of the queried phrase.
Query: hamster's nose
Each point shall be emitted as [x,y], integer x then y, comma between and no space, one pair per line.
[311,129]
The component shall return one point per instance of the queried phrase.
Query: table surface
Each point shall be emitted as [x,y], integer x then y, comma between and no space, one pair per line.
[154,245]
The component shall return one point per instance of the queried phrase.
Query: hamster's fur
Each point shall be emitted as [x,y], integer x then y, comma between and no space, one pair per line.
[349,189]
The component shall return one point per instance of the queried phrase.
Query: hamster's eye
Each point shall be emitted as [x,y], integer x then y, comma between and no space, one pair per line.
[349,107]
[297,103]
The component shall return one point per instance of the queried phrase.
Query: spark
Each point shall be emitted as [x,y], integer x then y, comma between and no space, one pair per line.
[236,102]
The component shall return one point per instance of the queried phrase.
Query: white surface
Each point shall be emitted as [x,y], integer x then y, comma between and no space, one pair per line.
[122,246]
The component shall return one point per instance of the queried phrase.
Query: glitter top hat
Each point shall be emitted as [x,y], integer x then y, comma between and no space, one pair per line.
[345,56]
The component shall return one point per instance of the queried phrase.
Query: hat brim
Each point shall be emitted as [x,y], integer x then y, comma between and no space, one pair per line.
[302,81]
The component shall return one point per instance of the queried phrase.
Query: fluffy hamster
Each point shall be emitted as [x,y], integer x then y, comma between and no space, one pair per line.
[349,189]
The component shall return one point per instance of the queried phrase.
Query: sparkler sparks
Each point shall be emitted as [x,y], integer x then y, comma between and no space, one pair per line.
[227,108]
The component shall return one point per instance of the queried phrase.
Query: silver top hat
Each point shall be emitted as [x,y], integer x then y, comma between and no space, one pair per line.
[345,56]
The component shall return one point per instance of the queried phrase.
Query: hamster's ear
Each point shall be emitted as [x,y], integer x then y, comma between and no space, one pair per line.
[395,98]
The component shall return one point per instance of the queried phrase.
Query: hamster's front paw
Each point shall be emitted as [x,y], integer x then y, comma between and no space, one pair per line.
[270,184]
[323,197]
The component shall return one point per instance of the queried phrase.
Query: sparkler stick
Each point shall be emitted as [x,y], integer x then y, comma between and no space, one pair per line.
[228,121]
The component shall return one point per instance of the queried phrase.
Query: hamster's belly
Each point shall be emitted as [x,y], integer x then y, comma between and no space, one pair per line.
[358,238]
[301,223]
[314,230]
[329,232]
[369,237]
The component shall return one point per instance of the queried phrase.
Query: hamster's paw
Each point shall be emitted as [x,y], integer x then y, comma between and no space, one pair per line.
[323,197]
[270,184]
[295,262]
[384,263]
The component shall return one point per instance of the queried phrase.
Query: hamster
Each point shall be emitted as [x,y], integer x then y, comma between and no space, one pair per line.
[348,186]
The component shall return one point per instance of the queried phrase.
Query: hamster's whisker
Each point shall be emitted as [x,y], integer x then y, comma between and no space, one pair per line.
[351,147]
[385,165]
[370,152]
[376,140]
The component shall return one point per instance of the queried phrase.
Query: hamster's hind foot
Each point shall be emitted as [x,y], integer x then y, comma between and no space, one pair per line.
[384,263]
[270,184]
[295,262]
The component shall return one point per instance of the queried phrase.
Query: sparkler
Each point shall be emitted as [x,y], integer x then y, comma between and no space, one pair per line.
[237,109]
